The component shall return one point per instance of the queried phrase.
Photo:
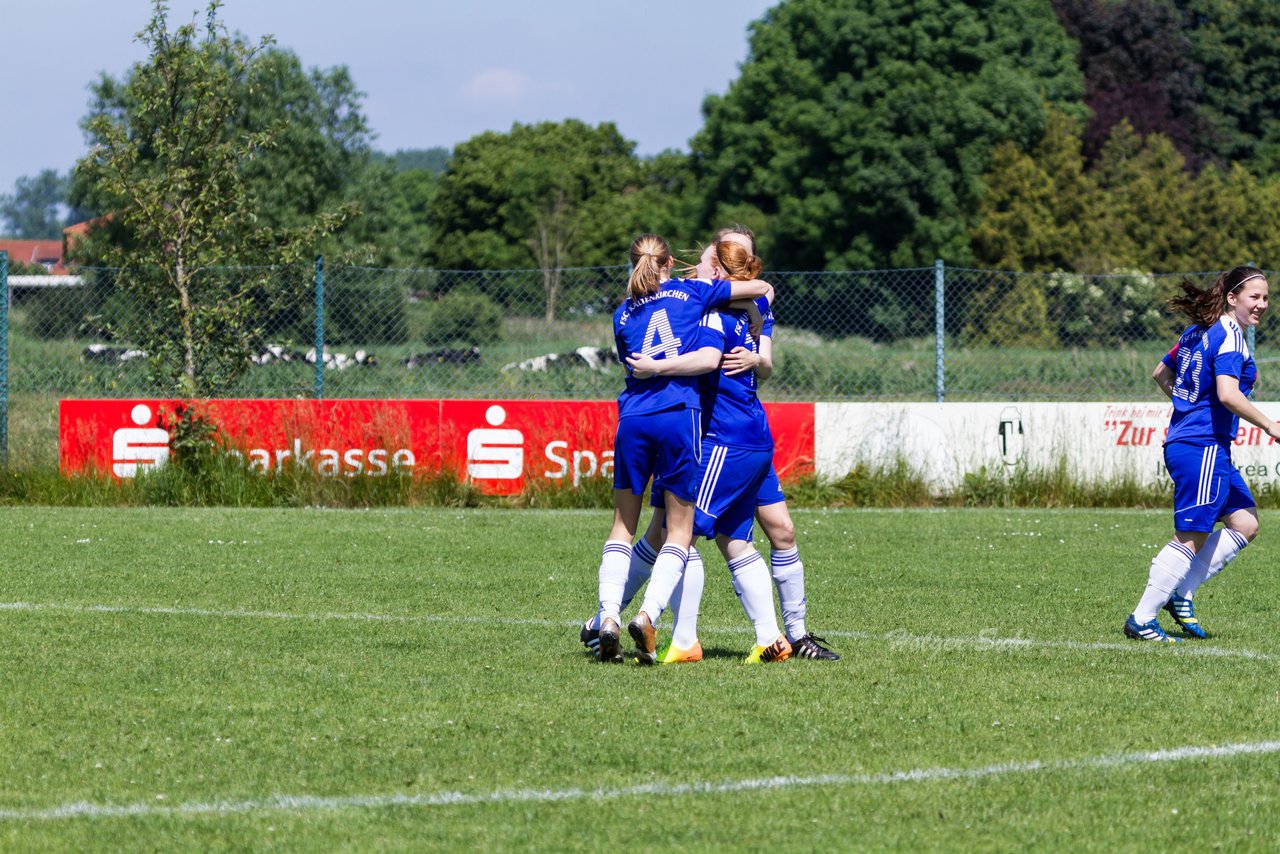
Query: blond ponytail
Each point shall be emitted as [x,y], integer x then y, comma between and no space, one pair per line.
[650,255]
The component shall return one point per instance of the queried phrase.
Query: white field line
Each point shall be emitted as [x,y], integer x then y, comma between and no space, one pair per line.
[987,639]
[315,803]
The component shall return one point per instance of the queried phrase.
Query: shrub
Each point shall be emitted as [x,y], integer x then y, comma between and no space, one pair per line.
[462,317]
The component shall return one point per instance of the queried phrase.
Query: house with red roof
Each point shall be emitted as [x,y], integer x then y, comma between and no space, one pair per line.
[47,253]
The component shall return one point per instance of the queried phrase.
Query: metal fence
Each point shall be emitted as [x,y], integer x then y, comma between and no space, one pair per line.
[923,334]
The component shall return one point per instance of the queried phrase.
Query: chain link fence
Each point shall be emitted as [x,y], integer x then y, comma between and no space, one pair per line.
[923,334]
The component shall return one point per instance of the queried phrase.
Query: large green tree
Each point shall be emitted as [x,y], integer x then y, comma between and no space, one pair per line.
[320,142]
[1039,210]
[860,129]
[319,147]
[1139,66]
[172,165]
[1237,45]
[544,196]
[1138,208]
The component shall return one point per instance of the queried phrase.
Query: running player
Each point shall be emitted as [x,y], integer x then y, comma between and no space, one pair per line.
[658,428]
[1208,375]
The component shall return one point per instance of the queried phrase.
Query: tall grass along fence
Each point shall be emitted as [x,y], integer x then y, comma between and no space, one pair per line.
[920,334]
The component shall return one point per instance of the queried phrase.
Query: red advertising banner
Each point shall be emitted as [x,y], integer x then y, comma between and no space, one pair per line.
[499,445]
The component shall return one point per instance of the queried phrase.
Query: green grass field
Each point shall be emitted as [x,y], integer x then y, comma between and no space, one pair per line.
[303,680]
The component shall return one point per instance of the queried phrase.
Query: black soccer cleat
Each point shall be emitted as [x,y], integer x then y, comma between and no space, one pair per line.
[590,637]
[610,650]
[812,646]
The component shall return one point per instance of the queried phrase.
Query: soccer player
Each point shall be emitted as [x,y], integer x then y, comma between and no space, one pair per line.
[737,456]
[1208,375]
[658,429]
[771,509]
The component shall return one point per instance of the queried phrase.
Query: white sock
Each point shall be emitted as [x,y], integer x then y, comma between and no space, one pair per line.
[751,583]
[1168,568]
[613,575]
[1219,550]
[642,558]
[685,601]
[788,577]
[667,570]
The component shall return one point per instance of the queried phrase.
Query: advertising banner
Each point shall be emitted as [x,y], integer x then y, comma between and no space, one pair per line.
[945,441]
[500,445]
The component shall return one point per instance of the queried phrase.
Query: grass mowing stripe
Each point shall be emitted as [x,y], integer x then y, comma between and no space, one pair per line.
[312,803]
[926,643]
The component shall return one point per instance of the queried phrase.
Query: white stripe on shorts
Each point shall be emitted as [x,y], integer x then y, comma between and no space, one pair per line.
[1206,475]
[696,416]
[715,465]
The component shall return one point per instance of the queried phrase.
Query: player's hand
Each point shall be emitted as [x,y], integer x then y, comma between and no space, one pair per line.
[739,360]
[1273,430]
[642,366]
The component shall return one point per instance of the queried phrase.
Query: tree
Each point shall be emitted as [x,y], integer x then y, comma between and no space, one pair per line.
[861,129]
[433,160]
[172,164]
[320,140]
[35,209]
[1038,209]
[1234,218]
[1138,66]
[1237,46]
[1139,208]
[1147,195]
[548,196]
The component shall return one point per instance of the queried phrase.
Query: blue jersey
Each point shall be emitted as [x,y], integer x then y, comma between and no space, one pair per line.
[732,414]
[665,324]
[1197,360]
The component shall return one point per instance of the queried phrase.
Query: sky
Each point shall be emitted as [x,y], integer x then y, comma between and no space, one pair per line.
[434,73]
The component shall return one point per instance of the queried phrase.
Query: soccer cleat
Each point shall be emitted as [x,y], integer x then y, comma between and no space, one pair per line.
[779,650]
[812,646]
[610,649]
[1185,616]
[676,655]
[646,638]
[1146,632]
[590,637]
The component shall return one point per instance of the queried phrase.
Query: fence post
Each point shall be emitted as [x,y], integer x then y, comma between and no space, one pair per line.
[940,328]
[4,359]
[319,327]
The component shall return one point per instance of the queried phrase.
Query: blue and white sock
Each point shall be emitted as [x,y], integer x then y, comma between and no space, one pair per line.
[1168,568]
[751,583]
[642,558]
[1219,550]
[667,570]
[686,600]
[613,576]
[788,577]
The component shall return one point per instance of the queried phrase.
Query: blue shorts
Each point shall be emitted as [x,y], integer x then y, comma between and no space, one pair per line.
[1206,486]
[770,490]
[731,480]
[660,445]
